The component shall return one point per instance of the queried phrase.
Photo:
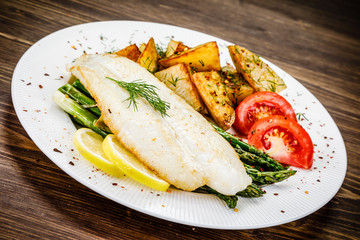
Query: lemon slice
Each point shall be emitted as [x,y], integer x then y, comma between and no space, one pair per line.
[89,145]
[130,165]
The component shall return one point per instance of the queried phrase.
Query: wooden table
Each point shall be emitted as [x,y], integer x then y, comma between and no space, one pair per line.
[317,42]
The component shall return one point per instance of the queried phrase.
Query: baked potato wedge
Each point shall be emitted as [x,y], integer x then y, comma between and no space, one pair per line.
[132,52]
[213,93]
[149,57]
[178,79]
[257,73]
[204,57]
[237,88]
[175,47]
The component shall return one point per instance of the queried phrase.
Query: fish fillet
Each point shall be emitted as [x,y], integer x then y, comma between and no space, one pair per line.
[182,148]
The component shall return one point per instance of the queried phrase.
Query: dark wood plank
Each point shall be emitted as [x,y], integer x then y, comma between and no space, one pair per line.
[318,42]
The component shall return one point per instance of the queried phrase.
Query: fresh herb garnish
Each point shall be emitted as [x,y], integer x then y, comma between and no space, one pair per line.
[102,37]
[301,115]
[148,61]
[138,88]
[160,50]
[271,73]
[202,62]
[174,81]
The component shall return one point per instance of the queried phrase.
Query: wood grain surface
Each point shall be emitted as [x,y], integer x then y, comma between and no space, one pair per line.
[317,42]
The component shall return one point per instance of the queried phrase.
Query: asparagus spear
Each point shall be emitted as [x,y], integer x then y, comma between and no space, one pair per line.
[259,162]
[251,191]
[264,178]
[78,85]
[81,98]
[250,153]
[231,201]
[83,116]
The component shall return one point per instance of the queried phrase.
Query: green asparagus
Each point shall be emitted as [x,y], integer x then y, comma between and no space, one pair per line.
[263,178]
[259,162]
[251,191]
[78,85]
[82,115]
[231,201]
[80,98]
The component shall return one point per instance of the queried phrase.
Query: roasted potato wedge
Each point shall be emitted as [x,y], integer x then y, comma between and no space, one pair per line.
[213,93]
[178,79]
[142,47]
[204,57]
[149,57]
[236,87]
[132,52]
[257,73]
[175,47]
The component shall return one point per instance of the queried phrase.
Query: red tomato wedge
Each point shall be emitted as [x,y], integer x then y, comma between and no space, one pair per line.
[260,105]
[284,140]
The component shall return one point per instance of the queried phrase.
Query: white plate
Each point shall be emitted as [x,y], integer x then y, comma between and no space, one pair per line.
[41,70]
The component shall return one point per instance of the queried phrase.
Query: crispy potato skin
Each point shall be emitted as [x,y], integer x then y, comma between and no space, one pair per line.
[178,79]
[149,57]
[204,57]
[257,73]
[214,95]
[132,52]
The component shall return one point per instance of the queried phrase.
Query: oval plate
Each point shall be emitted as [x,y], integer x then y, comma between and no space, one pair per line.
[41,70]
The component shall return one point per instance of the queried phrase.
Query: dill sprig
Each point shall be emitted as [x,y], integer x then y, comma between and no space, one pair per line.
[138,88]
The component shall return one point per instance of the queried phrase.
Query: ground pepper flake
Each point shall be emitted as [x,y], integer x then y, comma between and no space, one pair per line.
[57,150]
[282,211]
[71,163]
[114,184]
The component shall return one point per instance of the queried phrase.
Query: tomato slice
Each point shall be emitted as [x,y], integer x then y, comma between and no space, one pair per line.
[260,105]
[284,140]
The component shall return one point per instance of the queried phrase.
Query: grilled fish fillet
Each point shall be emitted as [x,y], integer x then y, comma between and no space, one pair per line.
[181,148]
